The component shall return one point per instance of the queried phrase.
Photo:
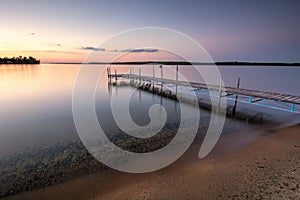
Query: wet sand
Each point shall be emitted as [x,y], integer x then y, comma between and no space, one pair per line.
[262,165]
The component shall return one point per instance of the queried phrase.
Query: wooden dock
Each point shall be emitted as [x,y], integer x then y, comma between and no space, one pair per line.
[254,96]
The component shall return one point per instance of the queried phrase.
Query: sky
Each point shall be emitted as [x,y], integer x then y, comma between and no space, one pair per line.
[232,30]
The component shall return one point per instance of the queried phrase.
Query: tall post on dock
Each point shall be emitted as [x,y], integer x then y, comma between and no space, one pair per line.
[176,79]
[153,77]
[140,84]
[293,107]
[109,72]
[220,93]
[140,75]
[130,76]
[116,74]
[133,73]
[162,77]
[236,98]
[153,73]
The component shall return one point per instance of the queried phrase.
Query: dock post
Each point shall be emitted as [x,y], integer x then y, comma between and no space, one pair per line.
[140,85]
[236,98]
[132,72]
[130,76]
[293,107]
[109,71]
[153,77]
[140,75]
[220,93]
[162,78]
[176,79]
[116,74]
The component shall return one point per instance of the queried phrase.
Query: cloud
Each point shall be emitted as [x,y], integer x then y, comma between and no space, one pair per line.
[89,48]
[140,50]
[92,49]
[32,34]
[51,44]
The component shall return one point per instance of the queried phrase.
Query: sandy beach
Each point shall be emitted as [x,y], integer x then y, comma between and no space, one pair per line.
[150,100]
[265,166]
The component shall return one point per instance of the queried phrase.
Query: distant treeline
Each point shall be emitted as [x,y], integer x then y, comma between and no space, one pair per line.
[187,63]
[204,63]
[19,60]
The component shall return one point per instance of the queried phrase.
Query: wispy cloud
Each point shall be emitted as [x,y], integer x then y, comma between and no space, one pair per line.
[140,50]
[92,49]
[51,44]
[32,34]
[122,50]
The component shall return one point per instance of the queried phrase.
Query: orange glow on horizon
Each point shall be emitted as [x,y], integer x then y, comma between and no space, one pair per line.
[81,56]
[47,56]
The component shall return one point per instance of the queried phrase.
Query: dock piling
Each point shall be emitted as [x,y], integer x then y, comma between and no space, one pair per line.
[293,107]
[236,98]
[162,77]
[140,75]
[250,99]
[109,71]
[153,77]
[220,93]
[176,79]
[130,74]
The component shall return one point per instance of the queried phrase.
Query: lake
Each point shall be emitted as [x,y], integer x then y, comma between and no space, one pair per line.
[39,144]
[36,100]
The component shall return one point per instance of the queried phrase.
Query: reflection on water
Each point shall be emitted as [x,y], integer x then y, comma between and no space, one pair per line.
[38,139]
[36,100]
[36,105]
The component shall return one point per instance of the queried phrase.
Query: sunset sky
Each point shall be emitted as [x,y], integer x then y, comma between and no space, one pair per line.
[67,31]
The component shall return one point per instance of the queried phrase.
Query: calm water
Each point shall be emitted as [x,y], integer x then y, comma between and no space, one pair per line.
[36,101]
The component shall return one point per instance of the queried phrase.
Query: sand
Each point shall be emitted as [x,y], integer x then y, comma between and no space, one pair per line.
[264,165]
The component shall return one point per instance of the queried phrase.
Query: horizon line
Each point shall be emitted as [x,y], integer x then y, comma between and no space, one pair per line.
[183,63]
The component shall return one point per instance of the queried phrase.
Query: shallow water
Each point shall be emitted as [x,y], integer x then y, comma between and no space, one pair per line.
[39,144]
[36,100]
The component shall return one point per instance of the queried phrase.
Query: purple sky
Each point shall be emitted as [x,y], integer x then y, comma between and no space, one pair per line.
[257,30]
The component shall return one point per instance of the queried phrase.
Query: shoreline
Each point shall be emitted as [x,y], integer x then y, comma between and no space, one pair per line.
[267,163]
[221,63]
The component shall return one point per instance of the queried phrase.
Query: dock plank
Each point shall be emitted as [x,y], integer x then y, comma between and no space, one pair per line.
[287,98]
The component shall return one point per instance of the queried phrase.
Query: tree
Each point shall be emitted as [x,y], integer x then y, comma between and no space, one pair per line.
[19,60]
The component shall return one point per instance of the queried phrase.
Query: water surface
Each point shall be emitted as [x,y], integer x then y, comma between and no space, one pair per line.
[36,100]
